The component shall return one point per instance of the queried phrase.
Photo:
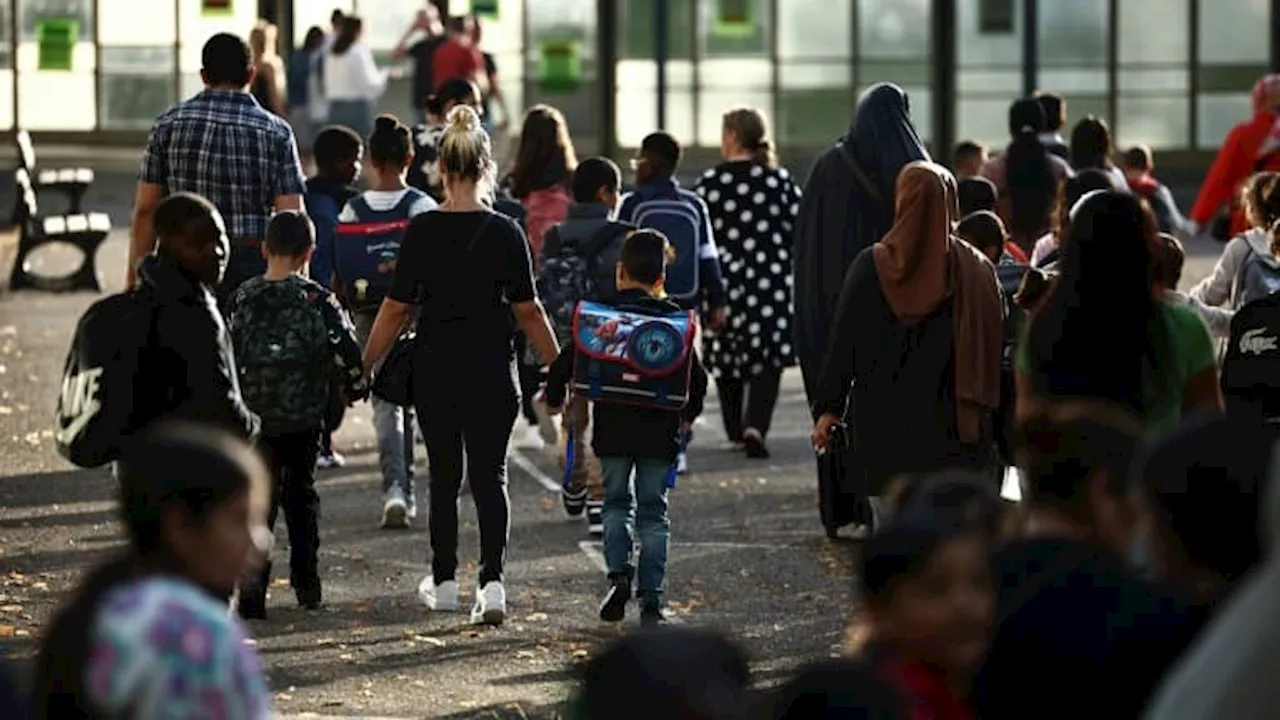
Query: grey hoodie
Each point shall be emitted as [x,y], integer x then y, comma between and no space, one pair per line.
[1231,670]
[1219,289]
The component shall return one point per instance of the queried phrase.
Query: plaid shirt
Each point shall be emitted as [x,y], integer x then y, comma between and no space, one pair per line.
[222,145]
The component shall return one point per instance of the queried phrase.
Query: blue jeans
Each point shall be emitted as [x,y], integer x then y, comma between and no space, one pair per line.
[643,512]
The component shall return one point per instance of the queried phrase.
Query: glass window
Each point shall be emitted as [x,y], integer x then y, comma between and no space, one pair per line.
[713,104]
[1154,31]
[1073,33]
[31,12]
[1137,82]
[385,21]
[1161,122]
[557,21]
[814,103]
[136,85]
[636,27]
[892,29]
[6,66]
[733,27]
[814,29]
[195,28]
[1234,32]
[983,119]
[56,100]
[975,47]
[1217,114]
[638,111]
[118,22]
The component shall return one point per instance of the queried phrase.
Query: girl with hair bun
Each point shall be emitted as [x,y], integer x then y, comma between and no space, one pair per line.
[467,272]
[753,205]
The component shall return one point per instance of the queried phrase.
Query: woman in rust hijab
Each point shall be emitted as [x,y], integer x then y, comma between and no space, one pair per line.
[917,338]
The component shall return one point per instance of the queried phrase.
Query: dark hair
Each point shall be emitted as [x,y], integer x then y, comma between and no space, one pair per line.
[1260,199]
[592,175]
[644,256]
[1203,480]
[335,144]
[227,60]
[290,233]
[752,130]
[903,548]
[391,143]
[1091,144]
[314,39]
[1138,157]
[350,31]
[456,24]
[545,157]
[1172,258]
[983,230]
[976,193]
[837,690]
[336,16]
[1055,110]
[1104,289]
[174,467]
[968,148]
[1076,187]
[666,672]
[956,494]
[451,91]
[1062,446]
[178,214]
[661,153]
[1030,181]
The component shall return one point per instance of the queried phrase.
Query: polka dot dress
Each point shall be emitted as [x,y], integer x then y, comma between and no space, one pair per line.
[753,212]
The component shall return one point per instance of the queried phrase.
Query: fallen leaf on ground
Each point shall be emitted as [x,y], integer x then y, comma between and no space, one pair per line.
[580,653]
[280,583]
[11,609]
[536,617]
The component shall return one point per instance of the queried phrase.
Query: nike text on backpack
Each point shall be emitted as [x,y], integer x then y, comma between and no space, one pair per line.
[633,358]
[576,273]
[680,222]
[97,406]
[283,354]
[365,250]
[1252,363]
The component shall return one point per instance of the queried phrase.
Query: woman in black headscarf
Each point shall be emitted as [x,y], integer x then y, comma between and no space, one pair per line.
[847,206]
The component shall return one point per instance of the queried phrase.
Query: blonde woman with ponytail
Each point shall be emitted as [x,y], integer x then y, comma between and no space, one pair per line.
[753,205]
[468,272]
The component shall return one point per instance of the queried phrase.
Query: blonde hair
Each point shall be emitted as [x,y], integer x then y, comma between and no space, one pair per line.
[752,131]
[262,40]
[466,152]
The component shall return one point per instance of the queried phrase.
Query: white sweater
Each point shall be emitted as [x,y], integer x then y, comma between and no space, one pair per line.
[353,75]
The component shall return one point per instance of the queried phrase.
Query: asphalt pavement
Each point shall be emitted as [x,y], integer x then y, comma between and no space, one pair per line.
[748,554]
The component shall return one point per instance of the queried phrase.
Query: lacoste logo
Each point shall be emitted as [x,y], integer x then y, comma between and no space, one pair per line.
[78,404]
[1253,342]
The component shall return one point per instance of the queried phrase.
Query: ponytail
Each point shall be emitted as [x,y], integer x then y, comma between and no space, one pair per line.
[1030,186]
[752,131]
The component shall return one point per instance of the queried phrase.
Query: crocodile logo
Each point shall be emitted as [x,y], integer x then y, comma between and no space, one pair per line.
[1254,342]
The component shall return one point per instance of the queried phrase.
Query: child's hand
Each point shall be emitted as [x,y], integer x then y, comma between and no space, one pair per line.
[686,427]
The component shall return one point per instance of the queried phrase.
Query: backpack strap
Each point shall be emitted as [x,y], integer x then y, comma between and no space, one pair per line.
[601,238]
[405,204]
[860,175]
[360,206]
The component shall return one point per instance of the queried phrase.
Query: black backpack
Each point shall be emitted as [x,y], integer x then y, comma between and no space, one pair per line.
[571,272]
[99,406]
[1251,367]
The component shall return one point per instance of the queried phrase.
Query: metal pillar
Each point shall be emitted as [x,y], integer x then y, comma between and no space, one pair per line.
[943,41]
[661,49]
[607,74]
[1030,47]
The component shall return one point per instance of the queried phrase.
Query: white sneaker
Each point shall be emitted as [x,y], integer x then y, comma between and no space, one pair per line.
[682,464]
[533,439]
[412,502]
[395,510]
[548,427]
[438,598]
[491,605]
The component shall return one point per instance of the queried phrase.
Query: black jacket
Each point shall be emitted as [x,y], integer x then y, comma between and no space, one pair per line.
[625,430]
[191,367]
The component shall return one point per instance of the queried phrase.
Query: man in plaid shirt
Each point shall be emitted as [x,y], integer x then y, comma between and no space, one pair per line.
[222,145]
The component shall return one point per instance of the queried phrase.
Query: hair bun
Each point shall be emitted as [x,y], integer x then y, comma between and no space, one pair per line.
[464,118]
[386,123]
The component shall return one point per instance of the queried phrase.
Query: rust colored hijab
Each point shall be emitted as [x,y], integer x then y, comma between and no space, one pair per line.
[921,266]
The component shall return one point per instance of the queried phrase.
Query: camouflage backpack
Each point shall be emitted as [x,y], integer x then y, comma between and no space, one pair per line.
[575,271]
[283,353]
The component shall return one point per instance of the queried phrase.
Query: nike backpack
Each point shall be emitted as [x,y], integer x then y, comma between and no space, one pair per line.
[365,250]
[633,358]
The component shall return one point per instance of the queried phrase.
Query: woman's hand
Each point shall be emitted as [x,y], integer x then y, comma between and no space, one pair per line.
[821,436]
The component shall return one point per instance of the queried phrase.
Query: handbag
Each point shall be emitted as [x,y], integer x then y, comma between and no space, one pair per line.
[393,382]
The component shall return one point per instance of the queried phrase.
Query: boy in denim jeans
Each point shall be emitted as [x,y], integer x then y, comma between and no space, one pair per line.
[643,439]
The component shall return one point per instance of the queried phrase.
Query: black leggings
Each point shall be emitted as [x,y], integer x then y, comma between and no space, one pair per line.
[469,419]
[748,404]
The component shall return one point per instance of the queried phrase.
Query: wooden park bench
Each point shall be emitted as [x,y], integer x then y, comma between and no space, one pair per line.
[84,231]
[71,182]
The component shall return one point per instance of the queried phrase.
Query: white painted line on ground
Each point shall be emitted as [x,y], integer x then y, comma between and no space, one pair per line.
[594,554]
[529,468]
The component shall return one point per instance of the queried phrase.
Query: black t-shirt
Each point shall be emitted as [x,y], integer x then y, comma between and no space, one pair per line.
[464,270]
[423,52]
[1079,635]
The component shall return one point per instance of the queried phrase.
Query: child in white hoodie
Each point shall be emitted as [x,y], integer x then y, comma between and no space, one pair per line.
[1252,250]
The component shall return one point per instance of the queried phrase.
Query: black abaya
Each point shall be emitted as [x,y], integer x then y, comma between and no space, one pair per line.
[839,218]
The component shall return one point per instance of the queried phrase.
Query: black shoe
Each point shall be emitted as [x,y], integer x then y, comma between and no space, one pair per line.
[309,595]
[652,615]
[755,447]
[574,501]
[614,606]
[252,604]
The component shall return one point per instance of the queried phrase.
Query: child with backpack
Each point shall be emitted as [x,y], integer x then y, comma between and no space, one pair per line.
[1169,273]
[579,259]
[693,279]
[640,417]
[337,152]
[290,334]
[370,230]
[1138,167]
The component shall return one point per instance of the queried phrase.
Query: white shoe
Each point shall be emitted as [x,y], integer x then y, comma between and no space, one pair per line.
[438,598]
[548,427]
[329,460]
[395,510]
[682,464]
[491,605]
[533,439]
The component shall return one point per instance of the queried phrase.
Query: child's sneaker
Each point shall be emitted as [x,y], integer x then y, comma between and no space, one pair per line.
[438,598]
[330,460]
[595,518]
[574,501]
[395,510]
[491,605]
[614,606]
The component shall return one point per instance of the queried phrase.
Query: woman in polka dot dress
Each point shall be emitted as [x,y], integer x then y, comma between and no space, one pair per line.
[753,205]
